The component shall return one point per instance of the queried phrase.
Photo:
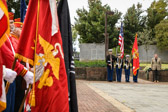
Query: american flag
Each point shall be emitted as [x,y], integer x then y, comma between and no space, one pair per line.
[121,41]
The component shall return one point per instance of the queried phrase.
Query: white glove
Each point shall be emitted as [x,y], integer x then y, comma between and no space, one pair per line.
[29,77]
[9,75]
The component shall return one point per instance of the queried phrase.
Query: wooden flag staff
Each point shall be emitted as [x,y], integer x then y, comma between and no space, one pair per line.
[22,104]
[8,84]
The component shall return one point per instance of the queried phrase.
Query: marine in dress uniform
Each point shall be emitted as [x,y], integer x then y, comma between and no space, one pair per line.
[156,66]
[20,82]
[110,60]
[127,68]
[135,77]
[119,66]
[8,52]
[7,74]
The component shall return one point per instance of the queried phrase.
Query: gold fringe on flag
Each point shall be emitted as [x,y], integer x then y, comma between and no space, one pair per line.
[33,90]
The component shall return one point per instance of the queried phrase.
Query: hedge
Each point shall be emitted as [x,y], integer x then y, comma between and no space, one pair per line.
[99,63]
[96,63]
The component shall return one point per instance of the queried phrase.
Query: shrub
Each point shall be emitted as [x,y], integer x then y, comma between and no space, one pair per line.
[96,63]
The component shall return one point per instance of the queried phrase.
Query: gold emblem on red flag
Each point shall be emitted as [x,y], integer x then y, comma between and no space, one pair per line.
[48,58]
[135,54]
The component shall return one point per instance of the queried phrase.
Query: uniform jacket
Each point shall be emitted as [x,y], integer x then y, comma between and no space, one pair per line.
[7,50]
[127,64]
[108,60]
[156,64]
[117,63]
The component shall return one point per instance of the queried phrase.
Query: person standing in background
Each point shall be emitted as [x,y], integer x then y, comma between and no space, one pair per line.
[135,77]
[156,66]
[127,68]
[119,66]
[110,60]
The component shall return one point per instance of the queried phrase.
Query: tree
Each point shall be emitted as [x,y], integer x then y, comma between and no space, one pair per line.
[91,24]
[145,39]
[74,34]
[162,34]
[156,13]
[15,5]
[133,22]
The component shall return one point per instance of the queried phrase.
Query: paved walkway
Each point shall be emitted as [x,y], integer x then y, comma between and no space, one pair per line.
[103,96]
[90,101]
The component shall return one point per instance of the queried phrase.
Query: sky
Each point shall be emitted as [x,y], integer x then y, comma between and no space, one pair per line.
[120,5]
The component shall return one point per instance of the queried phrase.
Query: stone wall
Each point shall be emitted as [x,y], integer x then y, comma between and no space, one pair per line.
[80,73]
[100,74]
[163,75]
[97,73]
[93,73]
[152,49]
[96,51]
[92,51]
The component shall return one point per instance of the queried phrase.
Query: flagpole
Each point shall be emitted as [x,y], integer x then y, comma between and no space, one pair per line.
[21,106]
[106,34]
[8,84]
[33,90]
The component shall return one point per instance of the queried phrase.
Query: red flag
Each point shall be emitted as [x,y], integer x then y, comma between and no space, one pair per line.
[4,22]
[4,33]
[135,55]
[1,73]
[40,44]
[2,87]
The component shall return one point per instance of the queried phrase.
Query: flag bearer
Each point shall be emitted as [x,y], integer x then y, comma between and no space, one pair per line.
[135,60]
[110,60]
[119,65]
[8,52]
[127,68]
[135,76]
[20,82]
